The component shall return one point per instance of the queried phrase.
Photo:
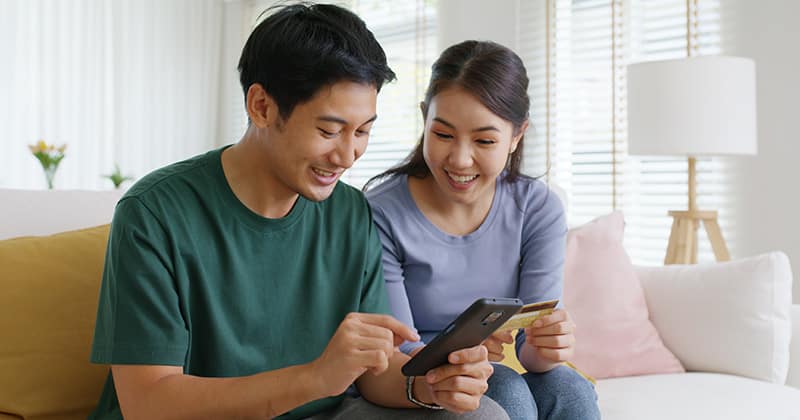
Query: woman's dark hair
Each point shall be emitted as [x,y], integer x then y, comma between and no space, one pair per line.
[300,48]
[491,72]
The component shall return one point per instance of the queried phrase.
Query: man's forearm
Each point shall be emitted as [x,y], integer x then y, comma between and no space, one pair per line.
[264,395]
[389,388]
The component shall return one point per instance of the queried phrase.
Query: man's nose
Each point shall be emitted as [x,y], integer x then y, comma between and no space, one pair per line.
[346,152]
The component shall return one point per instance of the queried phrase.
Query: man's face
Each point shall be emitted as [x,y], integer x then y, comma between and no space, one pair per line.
[309,151]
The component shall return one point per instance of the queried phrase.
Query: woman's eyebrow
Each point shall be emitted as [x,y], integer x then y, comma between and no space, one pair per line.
[484,128]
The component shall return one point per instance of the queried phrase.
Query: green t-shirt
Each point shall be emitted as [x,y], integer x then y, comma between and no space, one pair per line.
[193,278]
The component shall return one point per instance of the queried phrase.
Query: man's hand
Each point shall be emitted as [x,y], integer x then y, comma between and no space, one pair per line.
[552,336]
[495,345]
[362,342]
[459,385]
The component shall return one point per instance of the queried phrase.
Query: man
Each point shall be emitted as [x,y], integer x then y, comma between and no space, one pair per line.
[246,282]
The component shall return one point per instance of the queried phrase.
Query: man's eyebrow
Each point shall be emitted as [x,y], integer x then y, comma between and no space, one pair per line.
[337,120]
[484,128]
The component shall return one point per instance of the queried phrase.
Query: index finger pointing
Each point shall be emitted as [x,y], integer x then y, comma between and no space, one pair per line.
[402,332]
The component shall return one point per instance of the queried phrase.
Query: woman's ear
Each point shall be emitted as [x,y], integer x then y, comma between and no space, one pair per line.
[423,107]
[518,136]
[261,108]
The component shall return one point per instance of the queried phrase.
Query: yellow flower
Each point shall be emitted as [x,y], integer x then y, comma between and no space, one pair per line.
[49,156]
[35,148]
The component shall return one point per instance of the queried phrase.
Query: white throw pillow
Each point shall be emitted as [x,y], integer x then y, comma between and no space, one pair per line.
[731,317]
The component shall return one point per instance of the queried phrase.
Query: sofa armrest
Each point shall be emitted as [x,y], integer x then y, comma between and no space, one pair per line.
[732,317]
[794,352]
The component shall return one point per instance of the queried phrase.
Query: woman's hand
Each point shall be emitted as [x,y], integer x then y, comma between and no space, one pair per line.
[495,345]
[552,336]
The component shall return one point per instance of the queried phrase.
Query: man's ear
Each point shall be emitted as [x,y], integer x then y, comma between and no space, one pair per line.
[261,107]
[521,132]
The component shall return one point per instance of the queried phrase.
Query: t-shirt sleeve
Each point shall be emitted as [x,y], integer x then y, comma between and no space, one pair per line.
[139,320]
[393,275]
[543,249]
[374,298]
[544,235]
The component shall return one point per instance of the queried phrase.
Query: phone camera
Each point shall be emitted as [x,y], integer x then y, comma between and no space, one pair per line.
[492,317]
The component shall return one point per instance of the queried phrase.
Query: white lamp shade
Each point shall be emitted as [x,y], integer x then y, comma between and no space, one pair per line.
[692,106]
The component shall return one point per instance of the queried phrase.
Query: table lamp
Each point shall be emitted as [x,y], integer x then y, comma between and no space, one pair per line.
[694,106]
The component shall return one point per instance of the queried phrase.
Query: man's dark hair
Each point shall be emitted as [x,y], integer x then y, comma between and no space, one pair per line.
[300,48]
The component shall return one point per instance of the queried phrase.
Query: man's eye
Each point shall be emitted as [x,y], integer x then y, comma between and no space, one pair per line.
[327,134]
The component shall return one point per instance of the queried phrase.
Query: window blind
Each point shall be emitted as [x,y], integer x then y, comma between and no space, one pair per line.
[407,32]
[576,52]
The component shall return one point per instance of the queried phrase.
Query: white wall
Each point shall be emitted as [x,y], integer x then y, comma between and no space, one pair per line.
[768,31]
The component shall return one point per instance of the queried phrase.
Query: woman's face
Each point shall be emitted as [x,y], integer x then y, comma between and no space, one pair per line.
[466,146]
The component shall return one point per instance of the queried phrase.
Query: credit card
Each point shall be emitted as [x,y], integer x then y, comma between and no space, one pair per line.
[528,314]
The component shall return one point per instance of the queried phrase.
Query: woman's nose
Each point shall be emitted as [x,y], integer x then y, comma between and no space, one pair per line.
[460,155]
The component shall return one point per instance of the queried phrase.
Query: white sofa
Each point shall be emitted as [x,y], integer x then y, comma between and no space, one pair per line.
[703,393]
[720,364]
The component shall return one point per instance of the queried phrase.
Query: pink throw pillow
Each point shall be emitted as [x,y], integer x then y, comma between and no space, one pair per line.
[614,335]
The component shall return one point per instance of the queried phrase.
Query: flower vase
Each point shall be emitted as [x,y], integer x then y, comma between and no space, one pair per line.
[49,156]
[49,174]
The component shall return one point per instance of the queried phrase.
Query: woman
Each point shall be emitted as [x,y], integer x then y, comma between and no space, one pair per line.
[458,221]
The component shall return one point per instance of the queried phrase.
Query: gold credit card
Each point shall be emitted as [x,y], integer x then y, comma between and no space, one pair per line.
[528,314]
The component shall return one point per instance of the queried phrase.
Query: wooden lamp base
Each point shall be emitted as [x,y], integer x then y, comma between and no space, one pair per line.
[682,248]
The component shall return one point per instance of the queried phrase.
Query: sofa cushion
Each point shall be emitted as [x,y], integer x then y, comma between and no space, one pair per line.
[731,317]
[48,306]
[614,336]
[696,396]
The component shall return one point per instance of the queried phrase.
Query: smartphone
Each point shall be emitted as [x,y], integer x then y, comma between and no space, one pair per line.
[469,329]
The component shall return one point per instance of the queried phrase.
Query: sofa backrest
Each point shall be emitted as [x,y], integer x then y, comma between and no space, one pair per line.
[793,378]
[44,212]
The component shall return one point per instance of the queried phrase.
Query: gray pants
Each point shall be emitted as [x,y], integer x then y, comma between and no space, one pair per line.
[361,409]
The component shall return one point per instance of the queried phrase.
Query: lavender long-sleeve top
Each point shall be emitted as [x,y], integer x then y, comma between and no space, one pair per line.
[431,276]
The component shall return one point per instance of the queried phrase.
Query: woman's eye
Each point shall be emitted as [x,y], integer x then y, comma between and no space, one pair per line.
[485,142]
[442,135]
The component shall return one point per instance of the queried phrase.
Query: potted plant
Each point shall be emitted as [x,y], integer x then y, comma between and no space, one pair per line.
[116,176]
